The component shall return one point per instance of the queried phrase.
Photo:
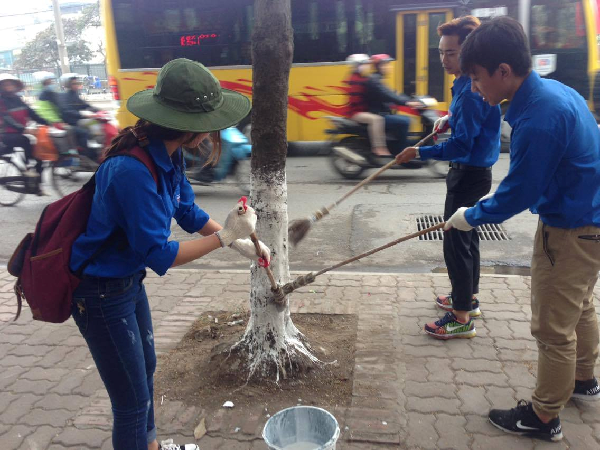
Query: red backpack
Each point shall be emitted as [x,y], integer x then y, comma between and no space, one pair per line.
[41,261]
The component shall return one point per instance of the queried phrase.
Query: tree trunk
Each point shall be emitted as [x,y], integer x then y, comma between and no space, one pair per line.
[271,343]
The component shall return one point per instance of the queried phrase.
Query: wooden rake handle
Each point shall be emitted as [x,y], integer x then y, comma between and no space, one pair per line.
[371,177]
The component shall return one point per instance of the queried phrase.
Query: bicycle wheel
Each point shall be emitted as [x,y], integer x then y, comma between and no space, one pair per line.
[12,183]
[67,175]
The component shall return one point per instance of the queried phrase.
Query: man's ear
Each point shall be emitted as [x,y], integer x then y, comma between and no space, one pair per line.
[505,70]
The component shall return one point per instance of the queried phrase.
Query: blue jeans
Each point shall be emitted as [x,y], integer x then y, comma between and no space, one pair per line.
[113,315]
[397,126]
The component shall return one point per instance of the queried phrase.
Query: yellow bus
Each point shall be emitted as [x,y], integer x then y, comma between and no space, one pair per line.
[142,35]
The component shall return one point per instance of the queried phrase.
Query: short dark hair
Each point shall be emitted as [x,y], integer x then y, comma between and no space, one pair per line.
[461,27]
[501,40]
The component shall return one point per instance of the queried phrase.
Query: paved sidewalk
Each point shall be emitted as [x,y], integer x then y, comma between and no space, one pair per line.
[409,391]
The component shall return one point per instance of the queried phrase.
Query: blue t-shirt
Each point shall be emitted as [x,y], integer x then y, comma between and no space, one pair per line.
[475,130]
[554,159]
[128,201]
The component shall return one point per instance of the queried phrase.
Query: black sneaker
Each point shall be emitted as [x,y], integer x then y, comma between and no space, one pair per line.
[586,390]
[524,421]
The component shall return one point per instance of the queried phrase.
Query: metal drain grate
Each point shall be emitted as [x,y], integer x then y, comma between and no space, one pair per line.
[487,232]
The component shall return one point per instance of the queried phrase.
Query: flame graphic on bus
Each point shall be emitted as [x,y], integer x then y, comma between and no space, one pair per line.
[305,105]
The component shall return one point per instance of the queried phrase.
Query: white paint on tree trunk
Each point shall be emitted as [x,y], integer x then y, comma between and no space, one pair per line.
[271,338]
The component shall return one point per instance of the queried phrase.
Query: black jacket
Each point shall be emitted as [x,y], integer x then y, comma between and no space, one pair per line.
[380,97]
[71,104]
[14,114]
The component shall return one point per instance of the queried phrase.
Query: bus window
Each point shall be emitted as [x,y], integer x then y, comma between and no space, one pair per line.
[435,84]
[153,32]
[410,53]
[330,30]
[557,25]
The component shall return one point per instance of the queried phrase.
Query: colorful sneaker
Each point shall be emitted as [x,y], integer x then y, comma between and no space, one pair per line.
[524,421]
[445,302]
[168,445]
[586,390]
[448,327]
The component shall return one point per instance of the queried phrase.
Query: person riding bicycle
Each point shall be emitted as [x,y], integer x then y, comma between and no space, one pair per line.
[379,99]
[358,109]
[71,106]
[15,114]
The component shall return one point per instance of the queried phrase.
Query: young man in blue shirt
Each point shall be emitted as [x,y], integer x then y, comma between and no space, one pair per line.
[473,147]
[555,172]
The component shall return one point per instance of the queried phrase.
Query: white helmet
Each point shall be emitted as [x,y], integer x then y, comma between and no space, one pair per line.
[43,76]
[67,77]
[358,58]
[9,77]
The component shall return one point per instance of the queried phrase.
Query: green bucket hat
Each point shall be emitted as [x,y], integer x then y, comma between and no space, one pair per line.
[188,97]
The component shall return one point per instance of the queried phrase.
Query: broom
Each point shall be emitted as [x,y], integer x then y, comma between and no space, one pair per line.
[298,228]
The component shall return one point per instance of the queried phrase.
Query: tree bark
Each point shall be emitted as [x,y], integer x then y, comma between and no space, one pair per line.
[271,343]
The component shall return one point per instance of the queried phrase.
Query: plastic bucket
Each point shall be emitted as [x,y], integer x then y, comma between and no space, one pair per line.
[301,428]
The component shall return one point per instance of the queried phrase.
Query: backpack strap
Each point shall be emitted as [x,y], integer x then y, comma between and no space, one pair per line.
[146,159]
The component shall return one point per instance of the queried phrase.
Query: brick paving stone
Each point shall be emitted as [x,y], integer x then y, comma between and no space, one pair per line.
[580,436]
[500,398]
[20,406]
[476,365]
[481,378]
[54,401]
[39,387]
[517,355]
[439,370]
[506,441]
[421,431]
[429,389]
[431,405]
[70,383]
[55,356]
[40,438]
[72,437]
[519,375]
[8,377]
[451,430]
[473,400]
[56,418]
[15,436]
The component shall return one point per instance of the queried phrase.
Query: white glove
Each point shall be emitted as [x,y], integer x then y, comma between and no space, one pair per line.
[458,221]
[441,124]
[240,223]
[485,197]
[245,247]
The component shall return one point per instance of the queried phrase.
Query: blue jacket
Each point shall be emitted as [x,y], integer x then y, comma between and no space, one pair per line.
[554,159]
[128,202]
[475,130]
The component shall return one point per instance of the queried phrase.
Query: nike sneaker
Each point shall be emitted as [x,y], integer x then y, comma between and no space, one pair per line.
[524,421]
[445,302]
[448,327]
[586,390]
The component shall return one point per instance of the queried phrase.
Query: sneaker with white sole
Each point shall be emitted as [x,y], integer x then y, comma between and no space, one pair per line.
[168,445]
[587,390]
[445,302]
[448,327]
[523,421]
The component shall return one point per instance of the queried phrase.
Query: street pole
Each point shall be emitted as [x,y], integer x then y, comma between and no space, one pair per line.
[60,35]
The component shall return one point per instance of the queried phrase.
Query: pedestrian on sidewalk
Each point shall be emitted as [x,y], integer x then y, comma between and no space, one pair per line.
[128,231]
[555,172]
[472,149]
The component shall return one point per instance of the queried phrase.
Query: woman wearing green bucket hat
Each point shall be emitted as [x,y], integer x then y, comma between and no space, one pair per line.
[128,231]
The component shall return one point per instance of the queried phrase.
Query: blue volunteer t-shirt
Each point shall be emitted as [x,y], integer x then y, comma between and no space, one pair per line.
[554,159]
[475,130]
[128,201]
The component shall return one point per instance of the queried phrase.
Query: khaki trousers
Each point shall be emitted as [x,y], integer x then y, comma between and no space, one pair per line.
[564,271]
[375,125]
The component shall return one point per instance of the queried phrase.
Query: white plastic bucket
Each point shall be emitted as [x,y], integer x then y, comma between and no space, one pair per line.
[301,428]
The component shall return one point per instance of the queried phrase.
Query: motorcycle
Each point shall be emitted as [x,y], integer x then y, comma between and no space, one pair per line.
[234,161]
[351,149]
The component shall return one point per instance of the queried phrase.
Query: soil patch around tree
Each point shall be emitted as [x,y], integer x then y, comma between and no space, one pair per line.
[198,373]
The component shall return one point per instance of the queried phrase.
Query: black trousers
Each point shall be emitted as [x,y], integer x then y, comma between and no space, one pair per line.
[12,140]
[461,248]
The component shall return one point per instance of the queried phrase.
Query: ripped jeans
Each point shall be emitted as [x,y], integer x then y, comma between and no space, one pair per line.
[113,315]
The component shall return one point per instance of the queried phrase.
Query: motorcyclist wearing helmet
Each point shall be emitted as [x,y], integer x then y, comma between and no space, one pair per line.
[71,106]
[15,114]
[358,109]
[380,97]
[48,105]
